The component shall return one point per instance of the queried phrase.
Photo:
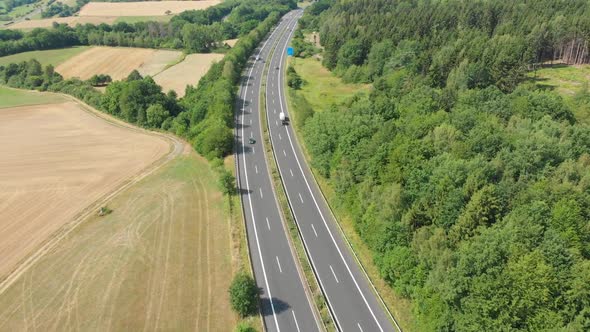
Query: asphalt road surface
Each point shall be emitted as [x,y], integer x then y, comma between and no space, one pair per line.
[285,304]
[350,296]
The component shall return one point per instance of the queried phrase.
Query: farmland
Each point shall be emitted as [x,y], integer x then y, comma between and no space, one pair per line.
[60,160]
[13,97]
[145,8]
[47,57]
[189,71]
[72,21]
[160,261]
[117,62]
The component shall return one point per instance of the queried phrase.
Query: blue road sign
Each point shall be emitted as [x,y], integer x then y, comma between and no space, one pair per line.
[290,51]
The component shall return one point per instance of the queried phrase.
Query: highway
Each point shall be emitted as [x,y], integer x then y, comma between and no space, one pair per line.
[285,305]
[350,296]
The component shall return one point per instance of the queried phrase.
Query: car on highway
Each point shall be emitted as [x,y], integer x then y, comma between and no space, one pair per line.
[251,141]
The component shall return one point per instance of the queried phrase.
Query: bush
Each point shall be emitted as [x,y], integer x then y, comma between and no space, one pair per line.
[243,294]
[244,327]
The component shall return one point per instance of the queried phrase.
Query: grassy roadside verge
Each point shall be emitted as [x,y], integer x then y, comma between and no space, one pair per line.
[295,238]
[399,307]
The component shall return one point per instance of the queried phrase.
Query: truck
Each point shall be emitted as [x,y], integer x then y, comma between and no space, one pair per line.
[283,118]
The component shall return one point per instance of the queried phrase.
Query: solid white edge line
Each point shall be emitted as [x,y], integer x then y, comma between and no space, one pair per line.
[334,273]
[314,199]
[274,314]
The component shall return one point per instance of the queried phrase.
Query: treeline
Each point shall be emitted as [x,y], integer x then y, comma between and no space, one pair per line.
[11,4]
[497,41]
[192,31]
[470,187]
[63,10]
[204,116]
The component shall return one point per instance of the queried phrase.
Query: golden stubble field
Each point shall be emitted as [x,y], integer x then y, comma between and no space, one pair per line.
[117,62]
[143,8]
[57,159]
[160,262]
[187,72]
[71,21]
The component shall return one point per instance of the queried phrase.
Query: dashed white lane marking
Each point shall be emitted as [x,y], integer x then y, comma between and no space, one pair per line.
[290,170]
[295,318]
[277,122]
[256,168]
[285,153]
[261,195]
[267,224]
[314,232]
[273,102]
[359,325]
[301,198]
[280,136]
[279,263]
[334,274]
[251,134]
[250,121]
[253,151]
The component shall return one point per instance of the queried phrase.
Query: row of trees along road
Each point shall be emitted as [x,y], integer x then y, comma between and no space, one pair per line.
[470,186]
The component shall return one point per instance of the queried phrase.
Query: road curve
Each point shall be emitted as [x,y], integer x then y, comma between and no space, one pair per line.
[285,305]
[351,298]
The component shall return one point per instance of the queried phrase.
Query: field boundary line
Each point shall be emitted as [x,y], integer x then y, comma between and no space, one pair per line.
[176,149]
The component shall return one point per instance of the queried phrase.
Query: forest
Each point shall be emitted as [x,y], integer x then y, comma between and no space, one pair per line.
[194,31]
[469,184]
[204,116]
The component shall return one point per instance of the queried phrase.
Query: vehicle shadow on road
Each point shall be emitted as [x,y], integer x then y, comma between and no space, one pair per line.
[279,306]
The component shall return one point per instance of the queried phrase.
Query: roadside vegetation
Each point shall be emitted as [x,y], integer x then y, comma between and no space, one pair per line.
[467,183]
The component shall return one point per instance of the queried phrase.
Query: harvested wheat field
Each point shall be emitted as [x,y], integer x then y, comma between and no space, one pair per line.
[187,72]
[160,262]
[143,8]
[230,42]
[71,21]
[58,159]
[117,62]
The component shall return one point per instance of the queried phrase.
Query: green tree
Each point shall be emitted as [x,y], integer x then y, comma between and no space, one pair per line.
[243,294]
[156,115]
[227,182]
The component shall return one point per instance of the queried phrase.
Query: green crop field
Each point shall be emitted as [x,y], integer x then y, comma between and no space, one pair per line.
[321,88]
[53,57]
[13,97]
[160,261]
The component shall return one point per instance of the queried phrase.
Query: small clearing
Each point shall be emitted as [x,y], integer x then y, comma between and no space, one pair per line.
[322,89]
[143,8]
[117,62]
[57,159]
[187,72]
